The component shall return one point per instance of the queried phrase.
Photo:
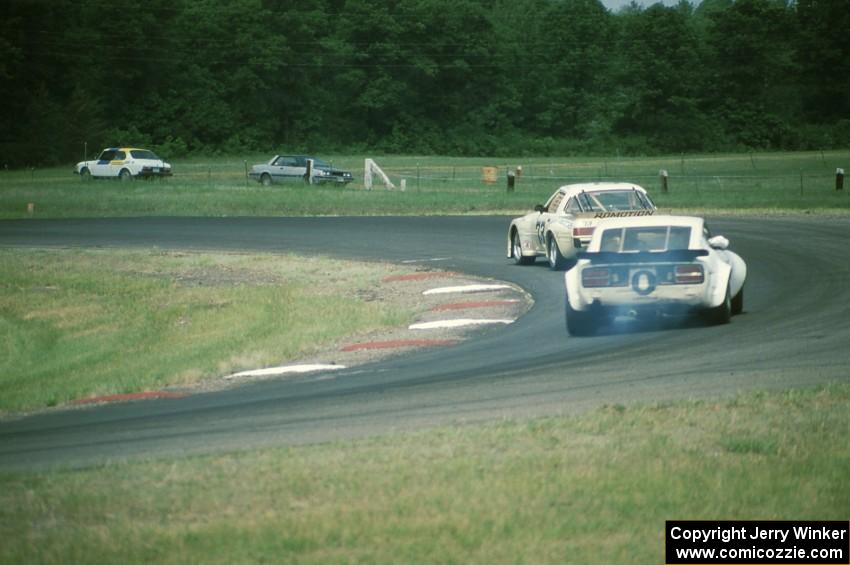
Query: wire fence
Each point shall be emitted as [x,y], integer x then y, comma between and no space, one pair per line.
[744,179]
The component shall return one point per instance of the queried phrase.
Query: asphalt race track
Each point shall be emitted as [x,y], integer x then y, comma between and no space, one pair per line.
[795,331]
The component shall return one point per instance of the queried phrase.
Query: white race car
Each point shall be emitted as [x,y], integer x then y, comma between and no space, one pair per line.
[562,227]
[653,265]
[125,163]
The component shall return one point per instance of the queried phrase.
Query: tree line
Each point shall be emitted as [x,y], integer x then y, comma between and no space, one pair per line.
[464,77]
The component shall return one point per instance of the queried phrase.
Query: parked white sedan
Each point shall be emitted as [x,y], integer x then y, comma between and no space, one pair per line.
[650,266]
[562,227]
[124,163]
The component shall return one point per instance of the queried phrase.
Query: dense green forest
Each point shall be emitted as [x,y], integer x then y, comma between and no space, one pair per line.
[465,77]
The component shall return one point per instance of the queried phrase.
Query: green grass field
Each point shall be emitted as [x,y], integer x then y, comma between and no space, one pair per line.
[435,185]
[593,488]
[81,323]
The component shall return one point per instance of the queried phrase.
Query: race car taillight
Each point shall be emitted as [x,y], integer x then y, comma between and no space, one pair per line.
[582,232]
[595,278]
[689,274]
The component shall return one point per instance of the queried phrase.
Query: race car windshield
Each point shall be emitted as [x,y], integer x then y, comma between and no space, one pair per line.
[630,240]
[614,200]
[143,154]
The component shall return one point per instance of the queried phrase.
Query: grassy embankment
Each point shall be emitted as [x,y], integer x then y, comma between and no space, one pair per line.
[435,185]
[80,323]
[595,488]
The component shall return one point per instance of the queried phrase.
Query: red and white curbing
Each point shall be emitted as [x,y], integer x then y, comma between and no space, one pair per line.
[397,344]
[457,323]
[285,369]
[462,322]
[467,288]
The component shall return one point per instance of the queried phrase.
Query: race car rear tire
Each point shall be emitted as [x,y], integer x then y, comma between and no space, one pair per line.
[516,247]
[266,179]
[738,302]
[553,253]
[125,175]
[578,323]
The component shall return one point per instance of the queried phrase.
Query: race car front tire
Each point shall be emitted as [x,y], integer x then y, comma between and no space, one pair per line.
[516,247]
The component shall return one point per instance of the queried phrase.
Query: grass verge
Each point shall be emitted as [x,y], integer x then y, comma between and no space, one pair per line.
[594,488]
[80,323]
[763,182]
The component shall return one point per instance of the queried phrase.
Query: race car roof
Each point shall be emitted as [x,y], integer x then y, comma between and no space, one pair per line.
[571,189]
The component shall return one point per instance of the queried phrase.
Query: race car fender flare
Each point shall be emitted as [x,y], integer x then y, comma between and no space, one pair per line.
[572,283]
[738,276]
[720,280]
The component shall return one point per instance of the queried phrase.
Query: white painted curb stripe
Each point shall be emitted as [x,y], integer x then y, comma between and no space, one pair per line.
[467,288]
[456,323]
[285,369]
[409,261]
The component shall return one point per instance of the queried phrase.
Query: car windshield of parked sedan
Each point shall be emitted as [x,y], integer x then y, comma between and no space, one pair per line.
[656,238]
[614,200]
[143,154]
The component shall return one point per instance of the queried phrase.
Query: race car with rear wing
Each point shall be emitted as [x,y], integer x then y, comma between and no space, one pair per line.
[651,266]
[562,227]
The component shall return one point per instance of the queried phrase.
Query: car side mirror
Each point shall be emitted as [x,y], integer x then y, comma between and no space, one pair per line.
[718,242]
[540,208]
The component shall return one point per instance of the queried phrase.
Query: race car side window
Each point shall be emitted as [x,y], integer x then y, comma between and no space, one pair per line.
[553,204]
[108,155]
[572,206]
[119,156]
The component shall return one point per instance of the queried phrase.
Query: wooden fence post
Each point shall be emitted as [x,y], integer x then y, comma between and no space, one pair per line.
[662,174]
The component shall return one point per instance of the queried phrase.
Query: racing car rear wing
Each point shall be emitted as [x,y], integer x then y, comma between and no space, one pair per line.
[618,214]
[614,257]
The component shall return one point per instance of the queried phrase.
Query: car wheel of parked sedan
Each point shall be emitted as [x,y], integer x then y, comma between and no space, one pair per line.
[579,323]
[85,174]
[553,252]
[266,179]
[738,302]
[721,314]
[125,175]
[516,245]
